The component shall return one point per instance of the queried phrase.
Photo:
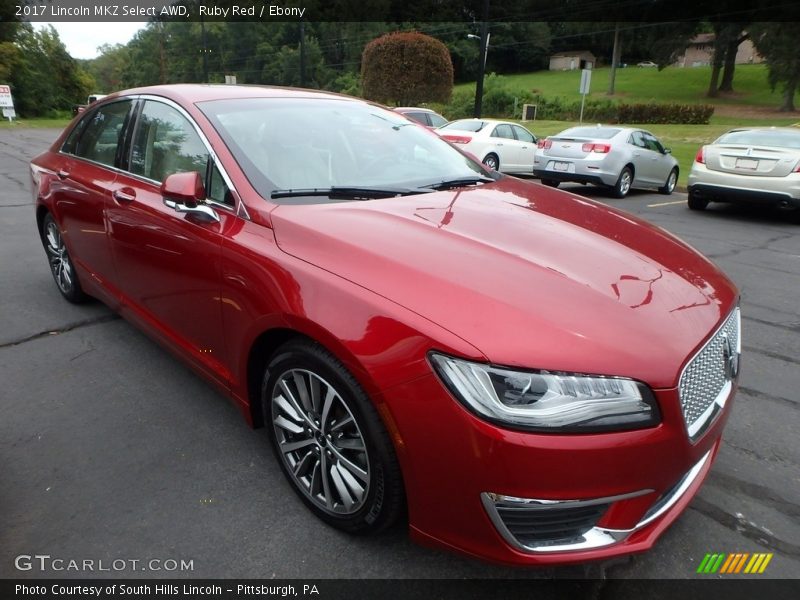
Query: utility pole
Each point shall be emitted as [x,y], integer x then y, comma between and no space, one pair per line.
[205,49]
[614,61]
[482,65]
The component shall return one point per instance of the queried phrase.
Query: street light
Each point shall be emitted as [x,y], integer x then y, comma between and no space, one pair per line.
[484,39]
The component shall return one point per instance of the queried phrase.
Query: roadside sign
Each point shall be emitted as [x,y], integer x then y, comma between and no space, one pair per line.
[7,102]
[586,81]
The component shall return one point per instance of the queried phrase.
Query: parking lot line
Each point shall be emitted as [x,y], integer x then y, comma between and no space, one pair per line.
[666,203]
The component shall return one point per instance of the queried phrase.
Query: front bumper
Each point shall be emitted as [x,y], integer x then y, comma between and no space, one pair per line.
[729,187]
[463,476]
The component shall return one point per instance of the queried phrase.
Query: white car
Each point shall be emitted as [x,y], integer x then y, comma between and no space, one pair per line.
[500,145]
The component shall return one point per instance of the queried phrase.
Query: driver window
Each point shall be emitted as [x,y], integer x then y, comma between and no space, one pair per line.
[165,143]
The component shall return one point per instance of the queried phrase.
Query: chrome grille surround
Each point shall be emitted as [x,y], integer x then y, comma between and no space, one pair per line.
[707,379]
[498,507]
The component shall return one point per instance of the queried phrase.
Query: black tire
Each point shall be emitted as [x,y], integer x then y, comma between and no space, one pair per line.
[61,267]
[492,161]
[696,202]
[550,183]
[329,455]
[670,183]
[624,182]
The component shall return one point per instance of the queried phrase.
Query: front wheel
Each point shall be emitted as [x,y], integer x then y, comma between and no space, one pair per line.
[329,440]
[669,184]
[60,262]
[623,185]
[492,161]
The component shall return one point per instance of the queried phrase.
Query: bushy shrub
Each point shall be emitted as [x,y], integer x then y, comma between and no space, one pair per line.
[406,68]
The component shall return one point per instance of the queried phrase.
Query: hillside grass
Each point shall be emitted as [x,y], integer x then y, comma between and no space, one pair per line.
[35,123]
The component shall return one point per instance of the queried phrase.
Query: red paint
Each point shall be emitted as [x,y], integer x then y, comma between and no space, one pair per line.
[509,272]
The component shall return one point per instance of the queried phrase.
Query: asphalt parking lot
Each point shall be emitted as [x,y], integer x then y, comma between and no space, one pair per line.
[111,449]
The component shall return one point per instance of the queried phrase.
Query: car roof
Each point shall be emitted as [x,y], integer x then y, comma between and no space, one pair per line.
[190,93]
[413,108]
[490,121]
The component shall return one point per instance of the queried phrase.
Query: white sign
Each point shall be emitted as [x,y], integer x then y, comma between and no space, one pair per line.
[9,113]
[586,81]
[6,101]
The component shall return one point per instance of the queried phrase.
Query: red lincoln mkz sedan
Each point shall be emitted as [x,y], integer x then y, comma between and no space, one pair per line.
[537,378]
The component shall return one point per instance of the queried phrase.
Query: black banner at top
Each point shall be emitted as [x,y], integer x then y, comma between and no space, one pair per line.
[401,10]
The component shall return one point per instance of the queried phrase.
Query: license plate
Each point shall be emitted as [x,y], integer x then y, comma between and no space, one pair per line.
[746,163]
[560,166]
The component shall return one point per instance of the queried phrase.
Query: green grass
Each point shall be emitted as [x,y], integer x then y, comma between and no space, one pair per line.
[35,123]
[634,85]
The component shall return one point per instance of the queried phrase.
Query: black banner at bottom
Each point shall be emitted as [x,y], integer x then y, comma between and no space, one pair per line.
[405,589]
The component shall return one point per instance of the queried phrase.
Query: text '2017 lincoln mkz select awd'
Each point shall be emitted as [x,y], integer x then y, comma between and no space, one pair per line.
[527,376]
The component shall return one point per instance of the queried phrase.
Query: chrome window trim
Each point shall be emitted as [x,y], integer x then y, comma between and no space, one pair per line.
[236,210]
[596,537]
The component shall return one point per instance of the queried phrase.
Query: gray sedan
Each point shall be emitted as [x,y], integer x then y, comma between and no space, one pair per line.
[617,157]
[748,165]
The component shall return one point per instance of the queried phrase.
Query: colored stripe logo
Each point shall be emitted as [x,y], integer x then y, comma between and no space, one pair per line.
[739,562]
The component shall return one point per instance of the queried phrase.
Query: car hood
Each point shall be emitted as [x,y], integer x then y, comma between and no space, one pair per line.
[529,276]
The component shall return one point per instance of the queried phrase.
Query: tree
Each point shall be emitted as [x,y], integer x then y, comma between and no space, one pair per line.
[777,43]
[407,68]
[727,37]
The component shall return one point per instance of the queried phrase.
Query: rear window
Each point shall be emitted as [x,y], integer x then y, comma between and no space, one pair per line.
[466,125]
[779,138]
[595,133]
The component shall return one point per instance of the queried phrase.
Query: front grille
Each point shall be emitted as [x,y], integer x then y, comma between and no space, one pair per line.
[550,525]
[706,380]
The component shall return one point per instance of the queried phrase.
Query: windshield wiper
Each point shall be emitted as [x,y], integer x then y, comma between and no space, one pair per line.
[349,193]
[461,182]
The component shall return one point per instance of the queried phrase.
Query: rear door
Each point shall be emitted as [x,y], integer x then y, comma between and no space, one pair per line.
[526,147]
[169,263]
[87,175]
[506,147]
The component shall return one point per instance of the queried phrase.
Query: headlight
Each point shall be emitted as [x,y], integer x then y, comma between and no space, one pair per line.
[548,401]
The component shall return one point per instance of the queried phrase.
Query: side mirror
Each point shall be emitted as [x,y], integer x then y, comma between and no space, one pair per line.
[185,193]
[667,150]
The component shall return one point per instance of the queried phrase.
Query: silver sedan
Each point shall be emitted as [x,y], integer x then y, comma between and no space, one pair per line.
[748,165]
[617,157]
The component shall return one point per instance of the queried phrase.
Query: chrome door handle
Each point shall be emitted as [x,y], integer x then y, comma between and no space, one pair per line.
[203,211]
[498,144]
[122,196]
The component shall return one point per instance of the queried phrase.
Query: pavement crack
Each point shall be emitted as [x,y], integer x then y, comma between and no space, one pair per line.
[753,454]
[71,327]
[16,205]
[762,396]
[771,354]
[794,327]
[744,527]
[762,494]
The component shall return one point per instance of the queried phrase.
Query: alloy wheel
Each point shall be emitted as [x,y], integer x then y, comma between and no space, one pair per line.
[60,264]
[320,442]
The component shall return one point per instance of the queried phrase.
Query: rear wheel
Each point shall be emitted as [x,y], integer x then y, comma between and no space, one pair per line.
[329,440]
[60,262]
[492,161]
[696,202]
[623,185]
[550,183]
[669,185]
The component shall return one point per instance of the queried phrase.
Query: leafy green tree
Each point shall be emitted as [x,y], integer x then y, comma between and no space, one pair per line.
[777,43]
[407,68]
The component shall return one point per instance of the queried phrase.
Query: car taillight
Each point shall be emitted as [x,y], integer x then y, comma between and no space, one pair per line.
[544,144]
[458,139]
[598,148]
[700,157]
[797,168]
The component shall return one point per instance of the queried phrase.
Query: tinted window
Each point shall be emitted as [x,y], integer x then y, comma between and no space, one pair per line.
[651,143]
[470,125]
[437,120]
[99,138]
[637,140]
[523,135]
[777,137]
[503,131]
[596,133]
[217,189]
[419,117]
[165,143]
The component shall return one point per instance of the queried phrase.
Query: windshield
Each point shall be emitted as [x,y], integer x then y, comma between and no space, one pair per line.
[318,144]
[760,137]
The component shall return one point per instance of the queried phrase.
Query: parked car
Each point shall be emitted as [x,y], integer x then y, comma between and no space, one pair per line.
[620,158]
[755,165]
[646,63]
[501,145]
[538,378]
[79,108]
[425,116]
